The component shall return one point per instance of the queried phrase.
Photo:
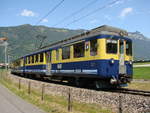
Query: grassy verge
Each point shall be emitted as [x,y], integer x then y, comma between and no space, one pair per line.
[51,104]
[141,73]
[142,63]
[140,85]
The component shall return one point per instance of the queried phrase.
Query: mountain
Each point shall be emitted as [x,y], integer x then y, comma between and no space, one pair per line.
[141,46]
[25,38]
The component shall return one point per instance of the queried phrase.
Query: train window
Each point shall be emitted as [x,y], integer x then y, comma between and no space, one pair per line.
[28,60]
[111,46]
[57,54]
[121,47]
[128,48]
[36,58]
[50,56]
[66,52]
[78,50]
[32,59]
[41,57]
[93,47]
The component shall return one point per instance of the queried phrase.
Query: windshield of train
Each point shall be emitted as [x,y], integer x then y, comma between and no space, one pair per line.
[128,47]
[111,46]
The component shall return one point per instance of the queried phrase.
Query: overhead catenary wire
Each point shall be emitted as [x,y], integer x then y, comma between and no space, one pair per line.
[75,13]
[52,10]
[92,12]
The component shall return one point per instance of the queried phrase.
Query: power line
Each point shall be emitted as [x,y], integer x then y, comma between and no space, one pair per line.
[94,11]
[44,37]
[74,13]
[53,9]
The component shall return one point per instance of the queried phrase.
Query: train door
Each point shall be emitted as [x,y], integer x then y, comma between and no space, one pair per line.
[48,63]
[122,66]
[24,65]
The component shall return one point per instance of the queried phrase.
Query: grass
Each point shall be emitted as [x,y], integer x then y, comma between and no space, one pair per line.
[141,63]
[52,104]
[141,73]
[140,85]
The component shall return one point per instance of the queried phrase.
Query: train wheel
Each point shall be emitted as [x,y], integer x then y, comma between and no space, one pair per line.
[102,84]
[83,82]
[72,81]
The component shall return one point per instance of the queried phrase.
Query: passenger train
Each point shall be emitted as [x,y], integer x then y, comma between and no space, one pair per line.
[101,57]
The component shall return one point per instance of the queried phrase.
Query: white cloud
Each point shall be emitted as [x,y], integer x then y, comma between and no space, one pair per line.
[28,13]
[125,12]
[45,20]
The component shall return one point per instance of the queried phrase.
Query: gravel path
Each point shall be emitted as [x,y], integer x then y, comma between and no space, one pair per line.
[11,103]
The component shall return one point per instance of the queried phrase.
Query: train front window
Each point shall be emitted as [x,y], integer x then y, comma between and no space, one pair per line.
[121,46]
[78,50]
[93,47]
[128,48]
[111,46]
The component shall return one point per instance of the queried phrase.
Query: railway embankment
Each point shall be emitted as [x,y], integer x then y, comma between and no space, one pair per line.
[125,102]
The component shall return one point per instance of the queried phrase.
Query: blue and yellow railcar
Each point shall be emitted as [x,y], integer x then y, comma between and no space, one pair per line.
[102,56]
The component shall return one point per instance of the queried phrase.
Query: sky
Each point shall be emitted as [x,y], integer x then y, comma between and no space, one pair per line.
[131,15]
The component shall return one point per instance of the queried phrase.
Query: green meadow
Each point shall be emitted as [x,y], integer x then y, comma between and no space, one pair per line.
[141,72]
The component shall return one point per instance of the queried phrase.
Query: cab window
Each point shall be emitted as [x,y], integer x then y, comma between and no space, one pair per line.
[93,47]
[129,48]
[66,52]
[111,46]
[121,47]
[78,50]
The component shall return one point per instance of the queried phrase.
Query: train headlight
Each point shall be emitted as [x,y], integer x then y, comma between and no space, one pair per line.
[112,61]
[113,80]
[130,62]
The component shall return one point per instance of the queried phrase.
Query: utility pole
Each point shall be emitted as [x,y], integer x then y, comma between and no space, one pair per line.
[3,42]
[6,57]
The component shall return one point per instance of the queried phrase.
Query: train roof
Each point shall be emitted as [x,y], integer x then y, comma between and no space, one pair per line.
[105,29]
[102,30]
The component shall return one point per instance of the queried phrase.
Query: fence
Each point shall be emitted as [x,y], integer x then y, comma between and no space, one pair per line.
[4,76]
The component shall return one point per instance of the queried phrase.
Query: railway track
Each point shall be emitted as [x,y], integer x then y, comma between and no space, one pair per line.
[134,92]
